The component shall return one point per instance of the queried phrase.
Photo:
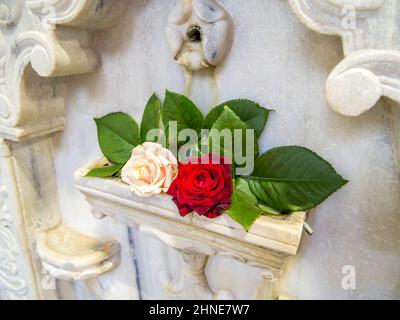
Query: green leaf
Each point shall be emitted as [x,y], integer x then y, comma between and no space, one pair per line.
[118,134]
[104,172]
[180,109]
[293,179]
[151,117]
[248,111]
[244,208]
[268,210]
[229,120]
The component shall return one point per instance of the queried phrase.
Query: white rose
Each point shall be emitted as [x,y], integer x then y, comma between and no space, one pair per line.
[150,170]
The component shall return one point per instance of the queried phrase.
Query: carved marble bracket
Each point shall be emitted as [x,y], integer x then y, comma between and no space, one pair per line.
[42,42]
[370,33]
[270,241]
[13,277]
[70,255]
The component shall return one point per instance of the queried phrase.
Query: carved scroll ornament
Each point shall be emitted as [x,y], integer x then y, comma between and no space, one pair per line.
[33,36]
[41,41]
[370,33]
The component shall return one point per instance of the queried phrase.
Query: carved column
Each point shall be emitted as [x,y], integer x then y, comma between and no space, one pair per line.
[192,282]
[40,42]
[16,274]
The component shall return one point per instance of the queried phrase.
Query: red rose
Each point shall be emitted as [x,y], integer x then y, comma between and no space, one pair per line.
[203,188]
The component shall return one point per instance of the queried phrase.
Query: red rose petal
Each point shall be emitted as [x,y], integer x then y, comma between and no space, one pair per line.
[201,187]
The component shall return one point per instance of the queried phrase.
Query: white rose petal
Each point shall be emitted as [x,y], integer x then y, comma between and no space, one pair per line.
[150,170]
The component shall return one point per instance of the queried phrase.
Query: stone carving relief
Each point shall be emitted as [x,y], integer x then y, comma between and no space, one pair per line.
[85,14]
[199,33]
[12,283]
[270,241]
[41,41]
[70,255]
[192,282]
[10,12]
[13,286]
[370,33]
[51,51]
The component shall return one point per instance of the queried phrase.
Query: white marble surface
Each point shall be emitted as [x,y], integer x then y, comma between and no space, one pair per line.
[281,64]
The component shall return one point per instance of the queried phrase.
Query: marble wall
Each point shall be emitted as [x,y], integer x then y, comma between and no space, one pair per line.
[278,62]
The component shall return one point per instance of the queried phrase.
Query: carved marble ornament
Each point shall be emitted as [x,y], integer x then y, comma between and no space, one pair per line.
[41,42]
[370,32]
[267,245]
[199,34]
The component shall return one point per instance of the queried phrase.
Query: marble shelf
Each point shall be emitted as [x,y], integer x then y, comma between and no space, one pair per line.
[266,246]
